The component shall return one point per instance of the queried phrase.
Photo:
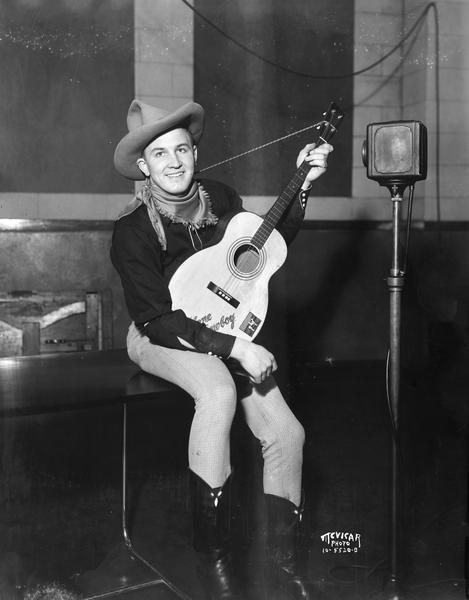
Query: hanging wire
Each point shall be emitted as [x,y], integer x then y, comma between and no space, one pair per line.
[297,132]
[301,73]
[416,26]
[437,115]
[393,73]
[410,203]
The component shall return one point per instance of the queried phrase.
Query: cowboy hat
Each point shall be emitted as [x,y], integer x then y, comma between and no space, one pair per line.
[145,123]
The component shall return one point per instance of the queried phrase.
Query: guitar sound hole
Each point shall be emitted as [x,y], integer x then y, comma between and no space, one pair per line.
[246,258]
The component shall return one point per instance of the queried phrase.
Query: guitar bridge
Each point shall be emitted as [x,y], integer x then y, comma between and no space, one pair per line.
[218,291]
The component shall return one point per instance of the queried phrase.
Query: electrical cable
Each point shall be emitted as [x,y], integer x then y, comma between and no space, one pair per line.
[297,132]
[392,74]
[392,418]
[410,203]
[437,115]
[300,73]
[416,27]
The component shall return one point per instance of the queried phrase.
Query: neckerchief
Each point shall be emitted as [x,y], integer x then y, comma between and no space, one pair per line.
[194,209]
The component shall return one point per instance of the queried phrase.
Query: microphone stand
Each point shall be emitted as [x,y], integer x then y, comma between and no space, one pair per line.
[395,283]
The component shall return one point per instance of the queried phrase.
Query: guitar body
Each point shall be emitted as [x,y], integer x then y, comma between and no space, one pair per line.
[225,286]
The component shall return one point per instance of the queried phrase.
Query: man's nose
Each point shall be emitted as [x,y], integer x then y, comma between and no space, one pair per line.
[174,160]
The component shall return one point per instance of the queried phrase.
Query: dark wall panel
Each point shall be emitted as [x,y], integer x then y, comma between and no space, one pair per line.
[250,102]
[67,80]
[330,299]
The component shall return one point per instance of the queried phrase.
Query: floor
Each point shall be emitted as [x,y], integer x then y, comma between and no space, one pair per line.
[61,518]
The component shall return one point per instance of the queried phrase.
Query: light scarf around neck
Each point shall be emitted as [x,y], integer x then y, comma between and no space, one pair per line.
[193,209]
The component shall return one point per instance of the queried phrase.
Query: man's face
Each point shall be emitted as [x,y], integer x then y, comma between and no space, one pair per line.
[169,161]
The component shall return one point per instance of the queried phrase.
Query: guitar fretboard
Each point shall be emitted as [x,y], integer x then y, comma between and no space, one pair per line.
[280,206]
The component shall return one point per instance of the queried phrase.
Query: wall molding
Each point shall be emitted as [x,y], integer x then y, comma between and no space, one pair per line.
[54,225]
[78,225]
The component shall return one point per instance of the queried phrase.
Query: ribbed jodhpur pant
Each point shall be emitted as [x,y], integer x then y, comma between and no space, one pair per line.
[207,379]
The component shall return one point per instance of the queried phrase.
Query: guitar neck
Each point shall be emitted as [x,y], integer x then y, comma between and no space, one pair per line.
[280,206]
[332,118]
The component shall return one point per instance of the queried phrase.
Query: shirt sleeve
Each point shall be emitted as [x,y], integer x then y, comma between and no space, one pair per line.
[138,260]
[291,221]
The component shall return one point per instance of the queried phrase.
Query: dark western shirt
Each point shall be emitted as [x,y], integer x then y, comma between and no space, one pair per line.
[145,269]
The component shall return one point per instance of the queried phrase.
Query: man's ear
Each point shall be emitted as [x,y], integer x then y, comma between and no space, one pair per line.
[195,153]
[142,165]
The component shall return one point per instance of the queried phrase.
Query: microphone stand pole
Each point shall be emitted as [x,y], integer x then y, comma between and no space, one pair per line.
[395,283]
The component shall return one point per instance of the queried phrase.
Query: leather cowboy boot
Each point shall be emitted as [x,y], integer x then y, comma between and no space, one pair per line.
[211,524]
[283,524]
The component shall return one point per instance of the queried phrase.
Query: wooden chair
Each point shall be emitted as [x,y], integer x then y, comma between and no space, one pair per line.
[50,322]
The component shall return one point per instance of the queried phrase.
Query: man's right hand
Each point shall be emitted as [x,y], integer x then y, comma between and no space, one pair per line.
[256,360]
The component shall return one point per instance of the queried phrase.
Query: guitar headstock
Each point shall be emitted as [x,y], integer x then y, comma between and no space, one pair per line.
[331,122]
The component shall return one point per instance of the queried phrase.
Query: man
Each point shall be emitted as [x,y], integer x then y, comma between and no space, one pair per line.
[175,215]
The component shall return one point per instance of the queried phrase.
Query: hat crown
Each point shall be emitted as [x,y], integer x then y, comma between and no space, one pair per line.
[143,114]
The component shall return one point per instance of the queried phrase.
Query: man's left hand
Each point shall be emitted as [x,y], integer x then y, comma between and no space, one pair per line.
[316,157]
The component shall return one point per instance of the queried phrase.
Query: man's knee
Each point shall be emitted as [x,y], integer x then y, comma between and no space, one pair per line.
[284,444]
[219,398]
[291,440]
[298,435]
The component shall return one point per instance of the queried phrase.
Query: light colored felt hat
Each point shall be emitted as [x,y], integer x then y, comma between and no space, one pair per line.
[145,123]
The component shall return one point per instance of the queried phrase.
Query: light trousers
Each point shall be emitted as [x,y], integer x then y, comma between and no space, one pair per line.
[209,382]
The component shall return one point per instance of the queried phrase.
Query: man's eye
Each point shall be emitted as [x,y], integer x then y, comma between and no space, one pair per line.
[159,154]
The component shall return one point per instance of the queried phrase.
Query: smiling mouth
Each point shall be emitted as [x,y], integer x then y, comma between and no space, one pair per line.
[175,175]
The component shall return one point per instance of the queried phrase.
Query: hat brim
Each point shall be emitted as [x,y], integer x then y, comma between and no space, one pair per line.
[190,116]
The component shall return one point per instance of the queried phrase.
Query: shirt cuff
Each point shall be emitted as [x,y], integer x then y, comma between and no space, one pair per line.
[214,342]
[303,196]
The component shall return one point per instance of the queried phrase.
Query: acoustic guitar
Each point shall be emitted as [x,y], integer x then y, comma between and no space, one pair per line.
[225,286]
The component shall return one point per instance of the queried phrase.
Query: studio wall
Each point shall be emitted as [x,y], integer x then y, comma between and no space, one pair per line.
[68,70]
[287,63]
